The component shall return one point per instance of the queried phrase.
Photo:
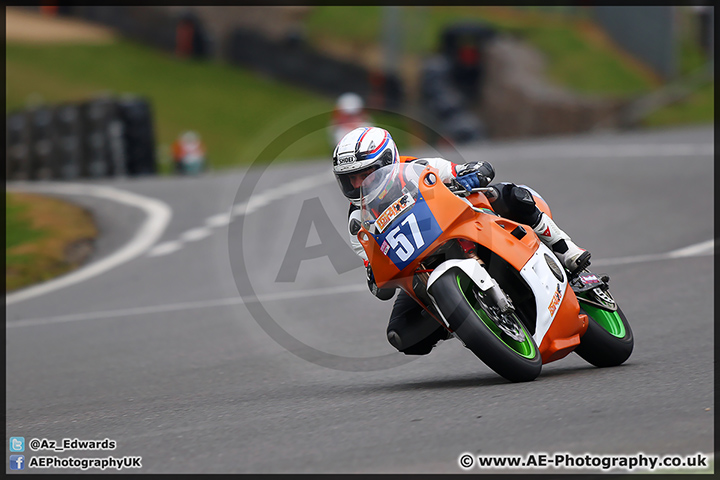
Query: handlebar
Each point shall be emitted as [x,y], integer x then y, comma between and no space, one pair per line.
[460,191]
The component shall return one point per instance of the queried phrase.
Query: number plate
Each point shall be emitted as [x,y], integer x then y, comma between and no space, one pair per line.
[410,235]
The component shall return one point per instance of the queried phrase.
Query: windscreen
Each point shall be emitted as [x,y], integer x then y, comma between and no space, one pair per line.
[388,192]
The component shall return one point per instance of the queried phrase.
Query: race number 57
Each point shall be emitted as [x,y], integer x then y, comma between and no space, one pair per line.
[399,242]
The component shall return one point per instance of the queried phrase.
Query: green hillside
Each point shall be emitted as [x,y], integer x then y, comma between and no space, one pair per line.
[577,54]
[234,110]
[238,112]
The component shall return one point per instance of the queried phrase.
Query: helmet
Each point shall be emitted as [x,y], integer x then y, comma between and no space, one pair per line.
[190,137]
[362,151]
[349,103]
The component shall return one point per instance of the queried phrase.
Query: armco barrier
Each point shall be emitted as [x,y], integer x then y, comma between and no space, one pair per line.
[98,138]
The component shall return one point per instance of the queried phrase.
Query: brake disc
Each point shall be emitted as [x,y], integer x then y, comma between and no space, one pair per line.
[511,328]
[504,321]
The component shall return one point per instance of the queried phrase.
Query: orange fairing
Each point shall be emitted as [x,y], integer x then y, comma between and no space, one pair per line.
[457,220]
[562,337]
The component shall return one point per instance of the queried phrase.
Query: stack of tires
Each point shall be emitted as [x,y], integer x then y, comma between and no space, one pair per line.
[103,137]
[445,107]
[451,82]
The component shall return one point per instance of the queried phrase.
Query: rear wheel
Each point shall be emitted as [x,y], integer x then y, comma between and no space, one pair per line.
[502,342]
[608,340]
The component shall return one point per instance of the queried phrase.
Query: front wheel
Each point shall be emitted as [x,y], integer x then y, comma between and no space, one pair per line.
[608,340]
[477,322]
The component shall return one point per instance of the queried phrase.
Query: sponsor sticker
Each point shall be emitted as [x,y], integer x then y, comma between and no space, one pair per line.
[346,159]
[557,296]
[397,207]
[590,278]
[385,247]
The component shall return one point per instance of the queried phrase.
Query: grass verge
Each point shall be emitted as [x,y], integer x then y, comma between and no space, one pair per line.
[44,238]
[696,108]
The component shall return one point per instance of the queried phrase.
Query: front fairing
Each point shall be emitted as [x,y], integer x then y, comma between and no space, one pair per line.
[430,216]
[403,220]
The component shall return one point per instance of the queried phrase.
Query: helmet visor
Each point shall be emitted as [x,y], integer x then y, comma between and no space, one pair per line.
[350,182]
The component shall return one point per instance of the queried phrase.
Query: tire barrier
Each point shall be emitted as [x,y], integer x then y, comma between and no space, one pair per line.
[453,79]
[102,137]
[463,45]
[444,106]
[137,136]
[292,60]
[17,144]
[41,144]
[69,147]
[182,33]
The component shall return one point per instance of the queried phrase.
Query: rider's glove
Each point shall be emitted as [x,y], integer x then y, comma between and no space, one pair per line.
[381,293]
[474,175]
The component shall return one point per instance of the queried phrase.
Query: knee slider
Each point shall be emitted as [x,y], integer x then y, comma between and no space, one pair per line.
[394,339]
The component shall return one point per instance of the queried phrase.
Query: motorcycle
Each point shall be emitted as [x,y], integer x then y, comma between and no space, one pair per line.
[486,279]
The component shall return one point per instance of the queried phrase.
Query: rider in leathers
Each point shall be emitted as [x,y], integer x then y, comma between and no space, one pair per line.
[410,329]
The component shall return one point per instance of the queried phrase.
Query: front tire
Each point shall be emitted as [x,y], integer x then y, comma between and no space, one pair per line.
[468,309]
[608,341]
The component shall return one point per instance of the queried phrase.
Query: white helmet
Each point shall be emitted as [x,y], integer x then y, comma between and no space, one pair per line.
[190,137]
[359,153]
[349,103]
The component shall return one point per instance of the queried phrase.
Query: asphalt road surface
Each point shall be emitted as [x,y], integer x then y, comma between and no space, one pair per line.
[254,346]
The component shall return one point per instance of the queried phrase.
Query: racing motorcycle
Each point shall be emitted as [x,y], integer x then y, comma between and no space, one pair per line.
[488,280]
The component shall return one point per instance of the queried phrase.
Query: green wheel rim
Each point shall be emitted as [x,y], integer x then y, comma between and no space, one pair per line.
[525,348]
[610,321]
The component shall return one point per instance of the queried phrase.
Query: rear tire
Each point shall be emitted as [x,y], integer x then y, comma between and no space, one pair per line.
[608,341]
[516,361]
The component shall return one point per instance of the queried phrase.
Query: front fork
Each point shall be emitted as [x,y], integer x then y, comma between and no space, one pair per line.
[501,299]
[478,274]
[502,313]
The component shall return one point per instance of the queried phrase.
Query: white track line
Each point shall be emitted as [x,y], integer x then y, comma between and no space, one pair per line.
[126,312]
[158,217]
[220,220]
[696,250]
[699,249]
[195,234]
[601,151]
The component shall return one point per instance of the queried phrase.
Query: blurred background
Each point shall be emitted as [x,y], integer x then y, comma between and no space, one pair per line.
[95,91]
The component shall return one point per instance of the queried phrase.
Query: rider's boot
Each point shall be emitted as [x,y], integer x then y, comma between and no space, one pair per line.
[572,257]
